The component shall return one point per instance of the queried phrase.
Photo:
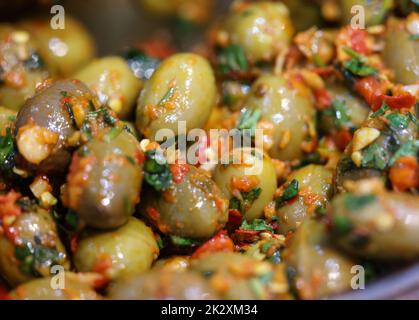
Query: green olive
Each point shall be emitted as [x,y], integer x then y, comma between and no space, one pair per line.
[21,67]
[181,89]
[315,188]
[47,121]
[396,131]
[104,181]
[261,170]
[128,249]
[113,82]
[236,276]
[192,208]
[401,53]
[262,29]
[64,50]
[380,226]
[320,270]
[289,113]
[347,111]
[7,118]
[304,13]
[36,247]
[43,289]
[375,11]
[162,285]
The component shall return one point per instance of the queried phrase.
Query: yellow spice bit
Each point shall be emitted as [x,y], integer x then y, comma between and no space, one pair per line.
[116,105]
[48,200]
[384,222]
[79,114]
[357,158]
[285,139]
[363,137]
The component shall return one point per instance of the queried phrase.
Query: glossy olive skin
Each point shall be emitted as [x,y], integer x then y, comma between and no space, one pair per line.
[304,13]
[40,289]
[401,54]
[355,108]
[193,208]
[375,11]
[7,118]
[113,82]
[181,89]
[315,189]
[262,29]
[263,170]
[233,275]
[130,249]
[37,227]
[311,255]
[104,181]
[22,69]
[385,228]
[47,111]
[286,110]
[162,285]
[64,50]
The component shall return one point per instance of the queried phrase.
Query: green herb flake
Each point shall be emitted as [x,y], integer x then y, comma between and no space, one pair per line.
[358,64]
[156,170]
[414,37]
[375,157]
[409,148]
[354,202]
[167,96]
[337,111]
[256,225]
[7,152]
[398,120]
[290,192]
[248,120]
[383,109]
[179,241]
[341,225]
[142,65]
[232,59]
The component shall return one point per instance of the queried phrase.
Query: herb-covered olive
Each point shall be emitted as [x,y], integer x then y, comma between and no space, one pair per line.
[317,269]
[382,139]
[29,243]
[68,287]
[7,118]
[113,82]
[346,112]
[401,52]
[48,121]
[306,190]
[250,184]
[236,276]
[129,249]
[374,11]
[162,285]
[287,117]
[192,206]
[181,89]
[21,67]
[381,225]
[64,50]
[262,29]
[104,182]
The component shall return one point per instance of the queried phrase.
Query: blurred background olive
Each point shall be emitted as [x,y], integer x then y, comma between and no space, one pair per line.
[375,10]
[162,285]
[181,89]
[129,249]
[113,82]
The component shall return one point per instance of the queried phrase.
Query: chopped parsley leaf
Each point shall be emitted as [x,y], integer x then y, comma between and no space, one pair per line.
[357,65]
[156,170]
[409,148]
[290,192]
[256,225]
[180,241]
[337,111]
[248,120]
[232,59]
[354,202]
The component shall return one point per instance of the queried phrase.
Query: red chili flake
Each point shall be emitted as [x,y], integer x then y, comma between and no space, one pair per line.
[371,90]
[157,48]
[11,233]
[247,236]
[140,157]
[8,206]
[218,243]
[293,56]
[358,40]
[405,100]
[342,138]
[179,171]
[323,98]
[103,263]
[74,242]
[235,219]
[325,72]
[4,294]
[153,213]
